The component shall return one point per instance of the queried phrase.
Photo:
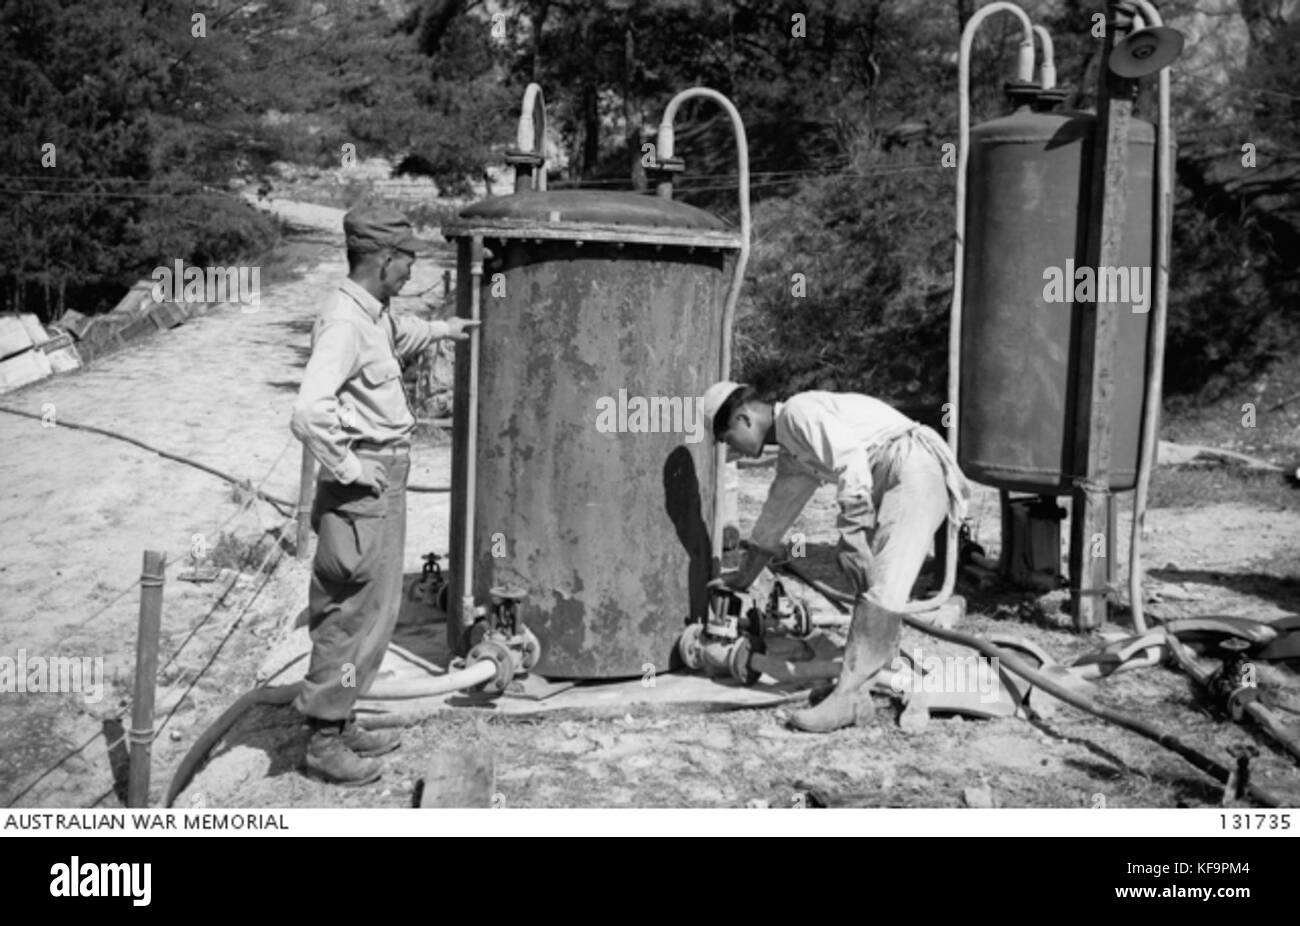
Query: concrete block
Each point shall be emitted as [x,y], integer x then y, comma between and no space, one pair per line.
[14,338]
[64,359]
[463,777]
[75,323]
[24,368]
[35,330]
[167,315]
[137,301]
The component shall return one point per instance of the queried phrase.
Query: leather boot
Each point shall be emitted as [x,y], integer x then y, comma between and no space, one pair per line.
[329,758]
[873,642]
[367,743]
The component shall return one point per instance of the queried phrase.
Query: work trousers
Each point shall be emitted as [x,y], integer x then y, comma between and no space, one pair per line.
[356,587]
[911,498]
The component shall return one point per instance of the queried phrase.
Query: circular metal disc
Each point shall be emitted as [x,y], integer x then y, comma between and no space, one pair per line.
[1146,51]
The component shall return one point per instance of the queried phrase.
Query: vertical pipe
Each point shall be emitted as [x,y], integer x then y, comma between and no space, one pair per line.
[1025,71]
[471,435]
[530,135]
[1047,70]
[1026,55]
[665,152]
[146,672]
[1156,336]
[306,494]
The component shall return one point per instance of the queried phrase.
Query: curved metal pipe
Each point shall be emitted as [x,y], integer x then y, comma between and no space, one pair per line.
[530,137]
[1047,71]
[664,152]
[1025,63]
[1156,337]
[1025,72]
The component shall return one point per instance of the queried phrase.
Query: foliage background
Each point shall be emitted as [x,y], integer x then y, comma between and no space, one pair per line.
[155,127]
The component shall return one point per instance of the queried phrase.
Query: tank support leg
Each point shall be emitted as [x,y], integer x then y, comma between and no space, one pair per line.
[1098,342]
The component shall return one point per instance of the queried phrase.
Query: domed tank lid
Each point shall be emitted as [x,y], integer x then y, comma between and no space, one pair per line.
[588,215]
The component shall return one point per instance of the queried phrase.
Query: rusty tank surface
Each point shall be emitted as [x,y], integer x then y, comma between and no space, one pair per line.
[593,477]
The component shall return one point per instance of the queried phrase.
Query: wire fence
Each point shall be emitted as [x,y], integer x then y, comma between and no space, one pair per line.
[125,705]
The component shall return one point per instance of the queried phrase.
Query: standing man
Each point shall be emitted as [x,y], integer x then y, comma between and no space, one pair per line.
[353,416]
[897,482]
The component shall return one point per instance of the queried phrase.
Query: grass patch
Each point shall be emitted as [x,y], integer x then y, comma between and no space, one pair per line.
[243,554]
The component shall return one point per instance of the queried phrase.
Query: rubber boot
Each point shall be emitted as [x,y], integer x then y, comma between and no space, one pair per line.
[329,758]
[367,743]
[874,636]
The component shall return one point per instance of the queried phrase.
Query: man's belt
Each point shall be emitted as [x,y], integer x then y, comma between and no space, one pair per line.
[371,448]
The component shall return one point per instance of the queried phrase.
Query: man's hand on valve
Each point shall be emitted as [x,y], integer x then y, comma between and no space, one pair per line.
[750,568]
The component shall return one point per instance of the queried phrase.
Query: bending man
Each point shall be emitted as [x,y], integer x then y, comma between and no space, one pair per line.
[897,483]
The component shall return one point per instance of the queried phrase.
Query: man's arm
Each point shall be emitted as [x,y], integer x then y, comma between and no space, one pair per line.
[316,420]
[787,496]
[837,449]
[412,336]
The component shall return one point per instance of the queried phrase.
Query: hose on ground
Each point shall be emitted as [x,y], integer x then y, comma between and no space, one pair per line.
[278,695]
[1011,663]
[285,507]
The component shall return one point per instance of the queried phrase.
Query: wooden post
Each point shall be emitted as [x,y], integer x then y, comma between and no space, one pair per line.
[306,495]
[1097,335]
[146,672]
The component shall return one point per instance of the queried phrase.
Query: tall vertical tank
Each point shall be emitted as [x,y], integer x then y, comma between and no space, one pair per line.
[601,328]
[1027,212]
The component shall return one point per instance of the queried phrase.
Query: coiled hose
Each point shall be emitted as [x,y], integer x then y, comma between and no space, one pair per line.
[1220,773]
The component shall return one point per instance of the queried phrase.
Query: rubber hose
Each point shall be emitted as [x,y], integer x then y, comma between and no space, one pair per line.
[264,496]
[1219,772]
[473,675]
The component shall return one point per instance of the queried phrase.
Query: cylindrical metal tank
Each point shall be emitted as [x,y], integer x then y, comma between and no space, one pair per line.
[601,328]
[1027,212]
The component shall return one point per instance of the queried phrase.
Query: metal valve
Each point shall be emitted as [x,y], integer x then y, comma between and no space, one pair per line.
[785,615]
[500,637]
[432,587]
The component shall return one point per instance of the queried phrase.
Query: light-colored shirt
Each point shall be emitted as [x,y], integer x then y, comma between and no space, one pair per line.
[352,386]
[832,437]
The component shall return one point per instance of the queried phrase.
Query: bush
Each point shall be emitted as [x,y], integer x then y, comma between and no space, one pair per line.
[874,252]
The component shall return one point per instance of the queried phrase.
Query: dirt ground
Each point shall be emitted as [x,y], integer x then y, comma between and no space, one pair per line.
[79,509]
